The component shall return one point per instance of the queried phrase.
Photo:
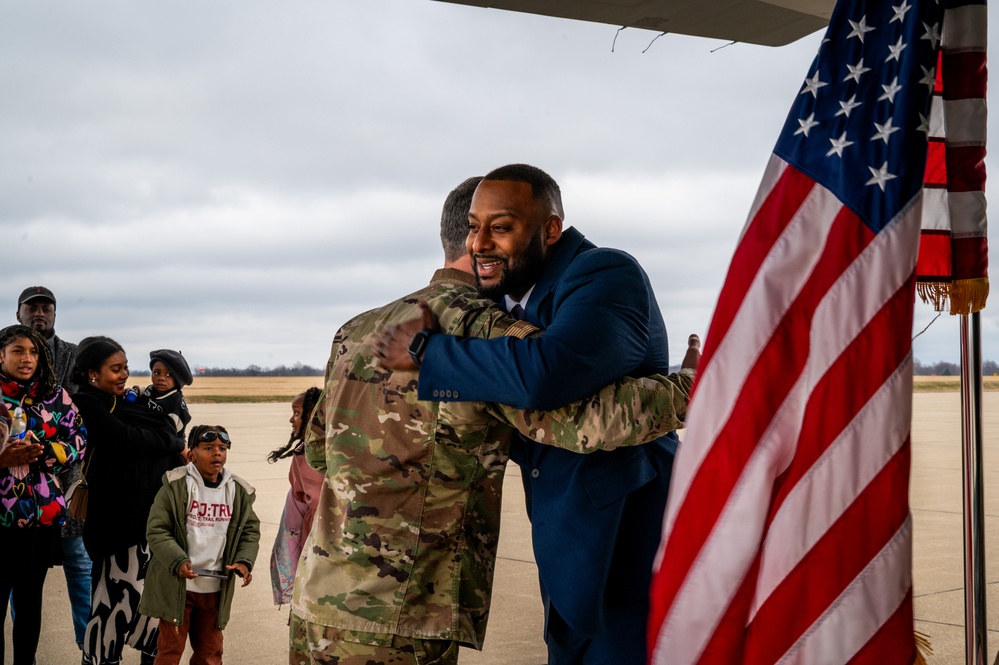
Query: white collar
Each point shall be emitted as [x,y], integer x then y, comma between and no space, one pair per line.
[510,302]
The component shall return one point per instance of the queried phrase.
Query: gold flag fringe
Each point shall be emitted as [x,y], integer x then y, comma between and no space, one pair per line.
[965,296]
[923,649]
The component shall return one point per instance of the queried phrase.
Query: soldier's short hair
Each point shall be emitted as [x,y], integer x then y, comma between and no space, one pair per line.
[454,219]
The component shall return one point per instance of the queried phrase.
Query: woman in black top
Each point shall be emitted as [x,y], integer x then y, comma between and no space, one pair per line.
[130,447]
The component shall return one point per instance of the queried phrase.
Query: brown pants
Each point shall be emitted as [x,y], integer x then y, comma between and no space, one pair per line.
[312,644]
[200,613]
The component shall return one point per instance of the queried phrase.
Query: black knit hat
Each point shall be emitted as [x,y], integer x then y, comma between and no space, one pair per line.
[175,363]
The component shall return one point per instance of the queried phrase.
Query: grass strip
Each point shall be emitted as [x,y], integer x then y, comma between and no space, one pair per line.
[989,385]
[237,399]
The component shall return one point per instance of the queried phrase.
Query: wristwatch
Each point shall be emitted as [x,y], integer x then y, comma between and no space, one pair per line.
[419,345]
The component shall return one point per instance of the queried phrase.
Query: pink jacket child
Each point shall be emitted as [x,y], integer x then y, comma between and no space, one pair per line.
[301,502]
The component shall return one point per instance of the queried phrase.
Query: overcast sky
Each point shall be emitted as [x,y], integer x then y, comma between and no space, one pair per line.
[237,179]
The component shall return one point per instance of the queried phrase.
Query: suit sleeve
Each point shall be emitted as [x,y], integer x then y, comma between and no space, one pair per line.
[599,333]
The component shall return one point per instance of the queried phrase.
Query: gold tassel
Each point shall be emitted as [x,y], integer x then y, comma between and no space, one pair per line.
[968,296]
[934,293]
[923,649]
[962,296]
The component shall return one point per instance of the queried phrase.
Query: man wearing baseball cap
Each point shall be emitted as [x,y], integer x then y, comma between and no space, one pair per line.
[36,308]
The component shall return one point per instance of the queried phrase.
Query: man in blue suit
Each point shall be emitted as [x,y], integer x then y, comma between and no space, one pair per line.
[596,519]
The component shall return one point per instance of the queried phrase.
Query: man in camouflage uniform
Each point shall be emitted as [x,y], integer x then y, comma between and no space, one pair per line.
[398,567]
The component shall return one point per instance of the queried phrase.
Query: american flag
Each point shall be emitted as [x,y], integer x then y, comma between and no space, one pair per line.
[787,536]
[953,251]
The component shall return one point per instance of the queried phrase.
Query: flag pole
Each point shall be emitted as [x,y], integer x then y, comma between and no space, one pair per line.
[974,523]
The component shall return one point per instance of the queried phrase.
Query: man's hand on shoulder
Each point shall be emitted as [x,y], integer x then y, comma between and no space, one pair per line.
[693,356]
[393,345]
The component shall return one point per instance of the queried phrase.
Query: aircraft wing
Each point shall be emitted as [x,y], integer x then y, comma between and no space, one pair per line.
[766,22]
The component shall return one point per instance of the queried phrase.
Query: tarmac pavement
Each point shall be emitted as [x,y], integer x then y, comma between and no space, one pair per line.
[257,633]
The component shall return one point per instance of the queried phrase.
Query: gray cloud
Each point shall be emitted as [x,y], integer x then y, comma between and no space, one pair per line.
[238,179]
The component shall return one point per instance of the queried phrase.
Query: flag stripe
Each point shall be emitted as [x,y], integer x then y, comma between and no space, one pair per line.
[965,74]
[936,163]
[964,121]
[884,646]
[970,257]
[831,409]
[968,210]
[864,610]
[966,166]
[828,568]
[966,26]
[936,126]
[936,210]
[833,438]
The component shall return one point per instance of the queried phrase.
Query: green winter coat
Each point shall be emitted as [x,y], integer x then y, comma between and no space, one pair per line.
[164,594]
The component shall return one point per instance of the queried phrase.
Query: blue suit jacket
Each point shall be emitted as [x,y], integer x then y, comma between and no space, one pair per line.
[596,518]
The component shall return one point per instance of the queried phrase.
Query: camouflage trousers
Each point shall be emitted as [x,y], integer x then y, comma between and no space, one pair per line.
[313,644]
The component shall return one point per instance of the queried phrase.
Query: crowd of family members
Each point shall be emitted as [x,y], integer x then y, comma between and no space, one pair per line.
[300,503]
[399,564]
[130,439]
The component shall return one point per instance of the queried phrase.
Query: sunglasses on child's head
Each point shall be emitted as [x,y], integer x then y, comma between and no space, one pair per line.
[208,437]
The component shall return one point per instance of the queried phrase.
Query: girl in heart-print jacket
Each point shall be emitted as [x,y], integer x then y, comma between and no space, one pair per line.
[30,494]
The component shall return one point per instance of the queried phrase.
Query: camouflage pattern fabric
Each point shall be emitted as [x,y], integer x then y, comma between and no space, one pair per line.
[322,645]
[404,541]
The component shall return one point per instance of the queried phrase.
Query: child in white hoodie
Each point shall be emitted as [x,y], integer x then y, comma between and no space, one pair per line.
[202,531]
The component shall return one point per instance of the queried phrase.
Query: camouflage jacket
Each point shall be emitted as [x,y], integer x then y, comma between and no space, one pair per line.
[404,541]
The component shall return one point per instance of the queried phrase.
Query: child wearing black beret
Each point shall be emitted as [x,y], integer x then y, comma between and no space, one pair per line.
[170,373]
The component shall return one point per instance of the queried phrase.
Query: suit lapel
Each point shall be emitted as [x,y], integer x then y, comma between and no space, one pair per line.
[539,307]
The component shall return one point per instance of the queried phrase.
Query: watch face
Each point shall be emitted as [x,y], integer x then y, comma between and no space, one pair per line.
[417,346]
[418,343]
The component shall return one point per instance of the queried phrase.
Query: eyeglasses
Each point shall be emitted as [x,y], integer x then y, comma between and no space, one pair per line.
[208,437]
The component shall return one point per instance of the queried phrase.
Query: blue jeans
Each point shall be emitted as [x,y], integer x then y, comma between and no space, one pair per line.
[76,565]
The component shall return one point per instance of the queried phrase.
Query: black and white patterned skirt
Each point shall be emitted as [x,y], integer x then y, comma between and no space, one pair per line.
[114,615]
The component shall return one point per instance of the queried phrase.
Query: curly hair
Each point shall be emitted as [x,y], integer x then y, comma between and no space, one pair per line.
[194,436]
[44,373]
[296,443]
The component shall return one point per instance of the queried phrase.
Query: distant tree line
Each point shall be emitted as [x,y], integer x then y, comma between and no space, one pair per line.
[298,369]
[989,367]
